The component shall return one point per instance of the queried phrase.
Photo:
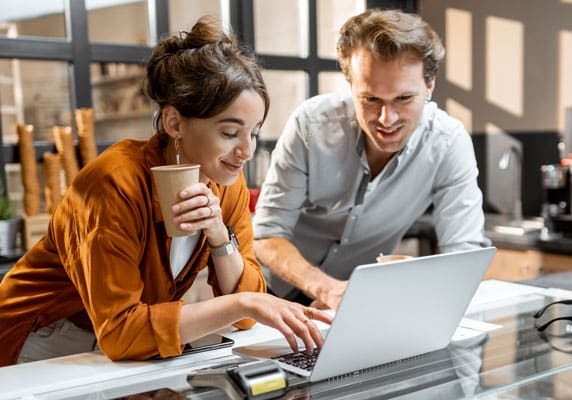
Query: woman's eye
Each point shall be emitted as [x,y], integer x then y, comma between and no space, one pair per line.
[230,134]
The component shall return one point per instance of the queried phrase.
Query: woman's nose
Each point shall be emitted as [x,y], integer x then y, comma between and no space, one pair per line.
[388,116]
[245,150]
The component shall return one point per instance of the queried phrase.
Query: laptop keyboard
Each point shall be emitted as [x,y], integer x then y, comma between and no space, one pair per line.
[299,359]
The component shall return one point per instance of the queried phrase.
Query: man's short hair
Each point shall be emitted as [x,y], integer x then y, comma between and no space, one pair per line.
[388,34]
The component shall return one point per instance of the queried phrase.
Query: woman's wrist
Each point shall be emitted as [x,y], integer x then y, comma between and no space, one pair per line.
[218,238]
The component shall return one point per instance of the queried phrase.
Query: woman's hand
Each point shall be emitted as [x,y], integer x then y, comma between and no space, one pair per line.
[291,319]
[199,209]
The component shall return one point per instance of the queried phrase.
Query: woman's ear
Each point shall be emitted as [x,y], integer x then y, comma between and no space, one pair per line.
[172,121]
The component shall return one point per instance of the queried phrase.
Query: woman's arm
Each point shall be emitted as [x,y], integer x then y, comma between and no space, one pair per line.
[291,319]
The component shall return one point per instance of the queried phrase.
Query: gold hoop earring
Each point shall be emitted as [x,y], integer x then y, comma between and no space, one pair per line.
[178,150]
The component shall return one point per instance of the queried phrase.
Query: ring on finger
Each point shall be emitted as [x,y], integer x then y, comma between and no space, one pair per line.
[309,312]
[306,321]
[211,211]
[208,201]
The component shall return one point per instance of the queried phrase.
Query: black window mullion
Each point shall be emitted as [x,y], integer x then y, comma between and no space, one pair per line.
[242,21]
[116,53]
[313,68]
[36,49]
[77,33]
[158,15]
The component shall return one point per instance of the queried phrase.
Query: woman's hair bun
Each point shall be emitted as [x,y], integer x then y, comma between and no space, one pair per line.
[205,31]
[200,72]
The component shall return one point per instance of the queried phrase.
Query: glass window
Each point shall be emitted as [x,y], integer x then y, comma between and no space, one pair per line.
[281,27]
[331,17]
[118,21]
[183,13]
[287,89]
[120,106]
[333,82]
[33,18]
[36,93]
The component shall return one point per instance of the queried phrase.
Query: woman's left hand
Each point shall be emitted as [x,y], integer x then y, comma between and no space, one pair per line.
[199,209]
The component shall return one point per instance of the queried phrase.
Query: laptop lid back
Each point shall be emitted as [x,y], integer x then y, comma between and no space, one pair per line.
[401,309]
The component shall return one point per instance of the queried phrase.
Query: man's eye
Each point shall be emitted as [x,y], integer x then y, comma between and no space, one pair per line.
[403,99]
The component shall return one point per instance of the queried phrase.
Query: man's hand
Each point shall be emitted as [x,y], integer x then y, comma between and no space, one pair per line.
[286,261]
[328,292]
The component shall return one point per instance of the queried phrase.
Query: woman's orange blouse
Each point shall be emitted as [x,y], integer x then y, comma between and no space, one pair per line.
[105,265]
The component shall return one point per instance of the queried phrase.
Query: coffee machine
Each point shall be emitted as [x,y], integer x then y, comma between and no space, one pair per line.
[557,198]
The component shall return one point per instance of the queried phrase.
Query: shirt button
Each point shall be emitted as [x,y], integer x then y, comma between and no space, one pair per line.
[335,250]
[345,240]
[354,217]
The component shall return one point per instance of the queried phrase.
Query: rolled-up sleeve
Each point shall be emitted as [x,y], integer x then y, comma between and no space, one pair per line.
[101,233]
[457,200]
[286,185]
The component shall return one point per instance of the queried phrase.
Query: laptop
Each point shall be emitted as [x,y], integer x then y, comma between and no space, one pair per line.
[389,312]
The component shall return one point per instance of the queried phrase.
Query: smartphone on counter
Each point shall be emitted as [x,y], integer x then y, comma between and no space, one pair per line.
[207,343]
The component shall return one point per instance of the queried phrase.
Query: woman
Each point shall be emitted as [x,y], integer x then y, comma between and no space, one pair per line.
[106,265]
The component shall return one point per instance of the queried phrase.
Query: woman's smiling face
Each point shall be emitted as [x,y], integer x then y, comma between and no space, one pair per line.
[223,143]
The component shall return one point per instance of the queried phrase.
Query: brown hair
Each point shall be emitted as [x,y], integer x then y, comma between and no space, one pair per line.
[201,72]
[388,34]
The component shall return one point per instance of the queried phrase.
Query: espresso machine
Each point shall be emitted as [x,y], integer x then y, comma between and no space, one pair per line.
[557,198]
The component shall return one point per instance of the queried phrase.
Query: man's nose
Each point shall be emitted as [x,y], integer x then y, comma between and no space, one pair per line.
[388,116]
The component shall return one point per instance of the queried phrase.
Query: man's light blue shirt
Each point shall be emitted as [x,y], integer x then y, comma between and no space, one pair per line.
[318,192]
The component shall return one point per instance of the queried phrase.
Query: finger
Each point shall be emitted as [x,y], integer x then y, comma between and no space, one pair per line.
[319,305]
[194,190]
[320,315]
[301,328]
[316,334]
[199,214]
[191,203]
[288,333]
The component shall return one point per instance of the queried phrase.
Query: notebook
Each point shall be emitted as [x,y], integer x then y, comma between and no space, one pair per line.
[390,312]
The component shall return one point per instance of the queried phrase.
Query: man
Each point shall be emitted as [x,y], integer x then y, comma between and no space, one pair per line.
[349,176]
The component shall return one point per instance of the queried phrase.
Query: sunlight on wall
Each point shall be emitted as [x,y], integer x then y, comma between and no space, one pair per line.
[458,28]
[565,72]
[504,59]
[460,112]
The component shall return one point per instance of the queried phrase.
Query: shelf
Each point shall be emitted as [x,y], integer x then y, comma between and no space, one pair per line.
[124,115]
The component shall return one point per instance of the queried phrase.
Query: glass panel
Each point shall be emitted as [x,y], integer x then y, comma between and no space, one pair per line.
[36,93]
[33,18]
[183,13]
[118,21]
[33,92]
[281,27]
[287,89]
[331,17]
[120,106]
[333,82]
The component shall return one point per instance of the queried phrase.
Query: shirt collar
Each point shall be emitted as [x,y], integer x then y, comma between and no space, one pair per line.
[425,123]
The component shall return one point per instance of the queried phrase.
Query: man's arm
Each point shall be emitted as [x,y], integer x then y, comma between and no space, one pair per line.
[284,259]
[457,200]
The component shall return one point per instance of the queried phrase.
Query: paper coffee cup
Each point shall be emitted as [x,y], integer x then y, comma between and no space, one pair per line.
[391,257]
[170,181]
